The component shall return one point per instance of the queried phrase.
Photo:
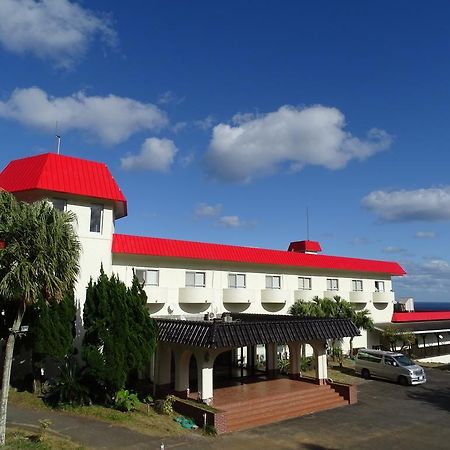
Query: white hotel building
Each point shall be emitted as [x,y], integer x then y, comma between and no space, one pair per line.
[189,279]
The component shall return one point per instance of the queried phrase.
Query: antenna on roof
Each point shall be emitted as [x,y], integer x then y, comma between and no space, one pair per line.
[307,223]
[58,139]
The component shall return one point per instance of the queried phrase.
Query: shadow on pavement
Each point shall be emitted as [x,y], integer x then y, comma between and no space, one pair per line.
[317,447]
[434,396]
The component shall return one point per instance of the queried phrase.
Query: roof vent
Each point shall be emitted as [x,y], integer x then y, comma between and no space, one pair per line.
[305,247]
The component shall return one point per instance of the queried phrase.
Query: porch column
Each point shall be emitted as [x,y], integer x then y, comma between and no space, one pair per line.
[182,360]
[205,364]
[271,359]
[163,369]
[320,357]
[294,359]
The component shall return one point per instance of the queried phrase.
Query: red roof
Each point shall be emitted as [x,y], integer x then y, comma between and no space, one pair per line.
[305,246]
[170,248]
[63,174]
[423,316]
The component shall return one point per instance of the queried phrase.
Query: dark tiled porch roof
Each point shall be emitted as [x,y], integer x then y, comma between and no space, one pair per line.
[252,329]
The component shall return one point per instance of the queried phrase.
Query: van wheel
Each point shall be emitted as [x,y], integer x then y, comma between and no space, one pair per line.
[403,381]
[365,373]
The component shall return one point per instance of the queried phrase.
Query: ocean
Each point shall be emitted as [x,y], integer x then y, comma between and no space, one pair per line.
[431,306]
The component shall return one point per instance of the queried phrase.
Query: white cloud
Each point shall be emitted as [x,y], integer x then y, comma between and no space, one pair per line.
[169,97]
[156,154]
[425,234]
[55,30]
[360,240]
[428,280]
[431,204]
[391,249]
[205,210]
[258,145]
[231,222]
[112,119]
[206,123]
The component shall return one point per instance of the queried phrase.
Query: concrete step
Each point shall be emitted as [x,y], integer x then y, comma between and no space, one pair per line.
[248,420]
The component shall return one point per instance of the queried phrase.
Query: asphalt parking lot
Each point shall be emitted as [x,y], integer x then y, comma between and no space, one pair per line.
[387,416]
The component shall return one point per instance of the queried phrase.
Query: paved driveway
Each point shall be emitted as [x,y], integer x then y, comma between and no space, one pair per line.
[387,416]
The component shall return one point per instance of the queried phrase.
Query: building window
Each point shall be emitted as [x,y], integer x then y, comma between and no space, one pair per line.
[148,277]
[236,280]
[273,282]
[304,283]
[332,284]
[60,204]
[195,279]
[379,286]
[357,285]
[96,218]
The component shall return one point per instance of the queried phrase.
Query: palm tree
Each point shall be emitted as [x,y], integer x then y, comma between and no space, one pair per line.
[363,321]
[38,258]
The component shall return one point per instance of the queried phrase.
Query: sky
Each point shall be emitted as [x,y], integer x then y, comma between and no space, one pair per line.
[227,121]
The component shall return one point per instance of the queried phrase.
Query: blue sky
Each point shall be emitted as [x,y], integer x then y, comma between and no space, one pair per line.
[223,122]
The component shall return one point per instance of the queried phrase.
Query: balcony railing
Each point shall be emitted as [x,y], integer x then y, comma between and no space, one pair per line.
[383,297]
[195,295]
[156,294]
[238,295]
[274,296]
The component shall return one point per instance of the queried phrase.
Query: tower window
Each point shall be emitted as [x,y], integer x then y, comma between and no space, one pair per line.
[96,218]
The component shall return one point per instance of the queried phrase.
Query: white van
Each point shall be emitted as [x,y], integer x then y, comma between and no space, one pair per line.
[390,365]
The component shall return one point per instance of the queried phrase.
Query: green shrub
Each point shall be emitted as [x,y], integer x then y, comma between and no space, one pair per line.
[68,387]
[167,405]
[305,363]
[209,430]
[283,365]
[124,400]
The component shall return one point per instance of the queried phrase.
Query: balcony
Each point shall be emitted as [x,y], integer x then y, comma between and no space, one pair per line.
[359,297]
[156,294]
[195,295]
[383,297]
[306,294]
[331,294]
[238,295]
[274,296]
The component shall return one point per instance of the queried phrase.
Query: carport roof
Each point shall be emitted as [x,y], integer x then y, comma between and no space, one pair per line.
[252,329]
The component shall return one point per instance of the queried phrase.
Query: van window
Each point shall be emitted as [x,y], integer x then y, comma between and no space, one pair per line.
[366,356]
[389,361]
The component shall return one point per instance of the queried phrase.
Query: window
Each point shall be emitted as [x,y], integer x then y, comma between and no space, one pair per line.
[304,283]
[273,282]
[379,286]
[60,204]
[357,285]
[96,218]
[236,280]
[195,279]
[389,361]
[148,277]
[332,284]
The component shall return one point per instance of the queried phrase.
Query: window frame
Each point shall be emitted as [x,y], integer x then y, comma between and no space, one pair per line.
[355,285]
[330,284]
[271,278]
[378,284]
[98,207]
[195,273]
[235,276]
[301,283]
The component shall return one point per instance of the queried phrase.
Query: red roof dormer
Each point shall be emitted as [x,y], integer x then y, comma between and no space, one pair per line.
[305,247]
[52,173]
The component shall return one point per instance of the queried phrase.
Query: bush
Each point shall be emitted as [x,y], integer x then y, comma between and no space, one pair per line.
[68,387]
[165,406]
[305,363]
[126,400]
[283,365]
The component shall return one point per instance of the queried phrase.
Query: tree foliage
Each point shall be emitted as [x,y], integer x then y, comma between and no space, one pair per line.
[39,258]
[120,336]
[334,308]
[392,336]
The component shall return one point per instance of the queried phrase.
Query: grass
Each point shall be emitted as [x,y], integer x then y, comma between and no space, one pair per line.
[17,439]
[151,423]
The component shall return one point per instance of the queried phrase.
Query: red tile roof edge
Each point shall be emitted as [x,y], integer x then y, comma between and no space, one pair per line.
[420,316]
[171,248]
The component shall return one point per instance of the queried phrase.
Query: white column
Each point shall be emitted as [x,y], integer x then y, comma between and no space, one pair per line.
[205,365]
[182,359]
[320,356]
[294,359]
